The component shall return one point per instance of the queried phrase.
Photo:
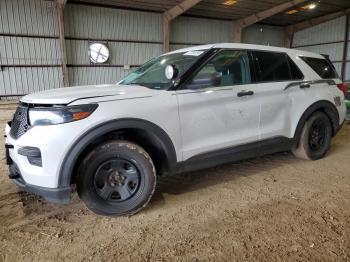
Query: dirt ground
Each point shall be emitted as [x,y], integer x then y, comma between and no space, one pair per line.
[267,209]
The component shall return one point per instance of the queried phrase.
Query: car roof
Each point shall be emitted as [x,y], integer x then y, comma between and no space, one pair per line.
[294,52]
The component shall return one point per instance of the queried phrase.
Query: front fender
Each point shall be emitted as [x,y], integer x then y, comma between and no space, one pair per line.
[88,137]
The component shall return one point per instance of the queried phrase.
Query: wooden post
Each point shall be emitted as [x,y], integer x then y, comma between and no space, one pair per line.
[288,37]
[237,33]
[60,16]
[172,14]
[345,49]
[166,37]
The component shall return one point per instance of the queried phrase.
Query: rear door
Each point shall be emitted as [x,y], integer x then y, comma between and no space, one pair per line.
[274,72]
[223,113]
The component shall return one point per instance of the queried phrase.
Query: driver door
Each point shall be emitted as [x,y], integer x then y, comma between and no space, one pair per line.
[217,108]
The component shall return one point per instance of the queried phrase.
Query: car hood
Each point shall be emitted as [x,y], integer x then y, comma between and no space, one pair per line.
[67,95]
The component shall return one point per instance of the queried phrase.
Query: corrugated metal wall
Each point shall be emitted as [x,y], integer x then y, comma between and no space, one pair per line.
[29,56]
[131,36]
[326,38]
[30,53]
[263,35]
[189,31]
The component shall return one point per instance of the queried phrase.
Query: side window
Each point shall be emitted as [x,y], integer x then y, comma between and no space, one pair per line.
[322,67]
[296,74]
[227,68]
[271,66]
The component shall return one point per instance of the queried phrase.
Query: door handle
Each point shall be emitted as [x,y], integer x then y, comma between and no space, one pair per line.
[305,85]
[245,93]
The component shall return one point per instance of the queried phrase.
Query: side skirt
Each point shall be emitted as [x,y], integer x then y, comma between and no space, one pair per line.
[237,153]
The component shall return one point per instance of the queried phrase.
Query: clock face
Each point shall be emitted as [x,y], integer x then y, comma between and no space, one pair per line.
[99,53]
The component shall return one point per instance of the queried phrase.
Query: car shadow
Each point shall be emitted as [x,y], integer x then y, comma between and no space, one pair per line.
[192,181]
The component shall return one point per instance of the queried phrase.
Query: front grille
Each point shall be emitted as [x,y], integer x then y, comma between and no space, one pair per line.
[20,122]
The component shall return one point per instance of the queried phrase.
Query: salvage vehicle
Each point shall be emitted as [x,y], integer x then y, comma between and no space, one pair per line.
[185,110]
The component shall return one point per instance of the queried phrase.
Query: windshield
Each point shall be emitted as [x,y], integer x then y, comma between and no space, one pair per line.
[152,73]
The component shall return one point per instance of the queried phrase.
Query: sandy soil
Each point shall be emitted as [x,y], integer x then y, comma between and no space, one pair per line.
[273,208]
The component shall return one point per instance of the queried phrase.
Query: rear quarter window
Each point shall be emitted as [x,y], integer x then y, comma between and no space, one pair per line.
[322,67]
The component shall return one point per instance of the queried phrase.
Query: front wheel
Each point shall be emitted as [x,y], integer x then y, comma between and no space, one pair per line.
[315,139]
[117,178]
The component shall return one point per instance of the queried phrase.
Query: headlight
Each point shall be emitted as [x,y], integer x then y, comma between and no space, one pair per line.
[54,116]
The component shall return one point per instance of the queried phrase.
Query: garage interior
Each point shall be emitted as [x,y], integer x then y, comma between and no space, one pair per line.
[45,45]
[271,208]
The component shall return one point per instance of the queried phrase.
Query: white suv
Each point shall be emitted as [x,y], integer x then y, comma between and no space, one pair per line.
[185,110]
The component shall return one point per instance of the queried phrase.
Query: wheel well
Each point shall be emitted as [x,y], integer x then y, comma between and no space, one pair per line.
[148,141]
[325,107]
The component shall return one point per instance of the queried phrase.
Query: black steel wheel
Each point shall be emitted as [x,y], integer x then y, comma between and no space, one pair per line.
[117,178]
[315,139]
[317,135]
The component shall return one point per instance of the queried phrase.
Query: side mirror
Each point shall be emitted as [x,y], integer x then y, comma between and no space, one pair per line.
[171,72]
[204,80]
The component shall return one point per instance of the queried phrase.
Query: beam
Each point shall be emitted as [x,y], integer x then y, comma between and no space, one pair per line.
[240,24]
[172,14]
[288,37]
[316,21]
[180,9]
[345,48]
[60,16]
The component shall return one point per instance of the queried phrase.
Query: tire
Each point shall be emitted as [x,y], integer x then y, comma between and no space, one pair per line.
[315,138]
[117,178]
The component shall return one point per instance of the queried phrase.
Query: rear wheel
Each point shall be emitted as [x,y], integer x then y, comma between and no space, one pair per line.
[117,178]
[315,139]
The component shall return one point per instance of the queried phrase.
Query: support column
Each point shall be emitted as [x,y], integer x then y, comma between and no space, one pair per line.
[237,32]
[60,17]
[171,14]
[345,49]
[166,38]
[288,37]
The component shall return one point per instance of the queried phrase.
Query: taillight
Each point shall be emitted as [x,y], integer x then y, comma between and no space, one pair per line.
[343,87]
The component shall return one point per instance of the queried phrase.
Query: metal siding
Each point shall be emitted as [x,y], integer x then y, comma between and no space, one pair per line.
[31,17]
[313,37]
[96,75]
[29,51]
[190,30]
[107,23]
[28,18]
[335,51]
[121,53]
[326,32]
[348,51]
[174,47]
[347,72]
[24,80]
[263,35]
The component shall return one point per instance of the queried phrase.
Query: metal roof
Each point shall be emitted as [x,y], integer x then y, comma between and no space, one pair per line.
[242,8]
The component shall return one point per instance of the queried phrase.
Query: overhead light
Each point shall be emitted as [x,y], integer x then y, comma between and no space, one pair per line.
[229,2]
[309,6]
[290,12]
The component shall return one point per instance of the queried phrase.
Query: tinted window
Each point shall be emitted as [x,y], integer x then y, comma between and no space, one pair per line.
[230,67]
[296,74]
[322,67]
[271,66]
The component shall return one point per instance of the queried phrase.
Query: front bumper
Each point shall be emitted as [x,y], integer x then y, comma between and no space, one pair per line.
[54,195]
[36,158]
